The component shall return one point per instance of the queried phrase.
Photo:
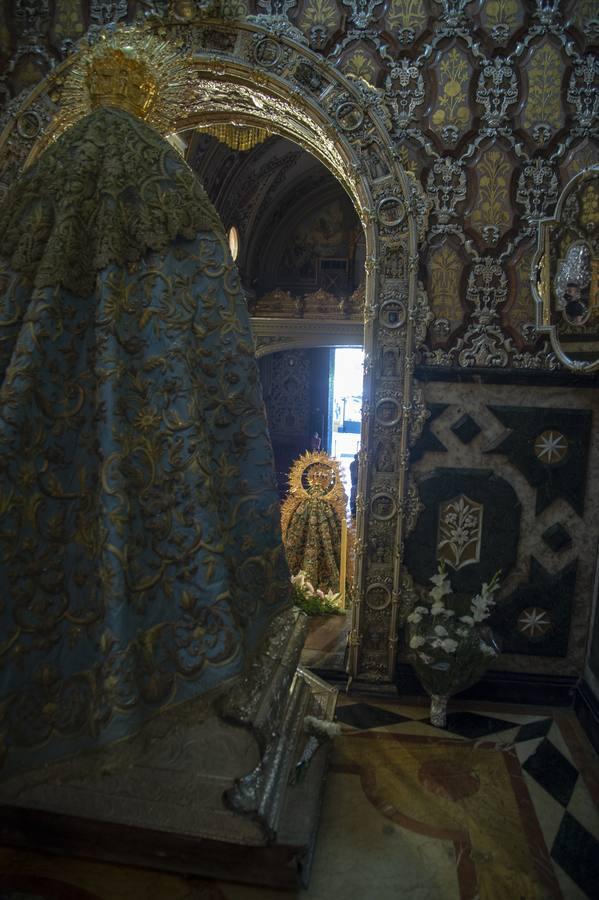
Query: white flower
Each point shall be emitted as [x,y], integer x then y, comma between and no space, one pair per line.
[438,593]
[436,643]
[442,632]
[437,609]
[298,579]
[487,650]
[463,632]
[422,610]
[467,620]
[441,580]
[414,618]
[416,642]
[449,645]
[424,657]
[479,608]
[448,613]
[488,590]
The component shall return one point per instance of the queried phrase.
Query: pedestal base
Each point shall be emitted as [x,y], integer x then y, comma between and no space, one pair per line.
[221,797]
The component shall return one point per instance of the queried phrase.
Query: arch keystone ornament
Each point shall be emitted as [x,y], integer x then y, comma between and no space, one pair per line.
[259,72]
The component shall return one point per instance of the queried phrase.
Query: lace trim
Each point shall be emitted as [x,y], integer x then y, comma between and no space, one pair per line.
[109,189]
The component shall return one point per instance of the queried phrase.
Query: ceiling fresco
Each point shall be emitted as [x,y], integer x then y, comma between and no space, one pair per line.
[299,233]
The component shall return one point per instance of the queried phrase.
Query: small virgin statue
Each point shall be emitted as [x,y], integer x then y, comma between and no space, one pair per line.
[312,520]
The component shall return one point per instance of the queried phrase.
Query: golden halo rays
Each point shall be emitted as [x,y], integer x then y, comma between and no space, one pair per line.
[133,70]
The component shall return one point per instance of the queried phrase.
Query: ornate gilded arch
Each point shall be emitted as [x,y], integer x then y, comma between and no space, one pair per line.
[261,72]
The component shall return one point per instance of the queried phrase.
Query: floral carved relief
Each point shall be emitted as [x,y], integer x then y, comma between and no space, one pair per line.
[460,532]
[451,113]
[491,215]
[543,113]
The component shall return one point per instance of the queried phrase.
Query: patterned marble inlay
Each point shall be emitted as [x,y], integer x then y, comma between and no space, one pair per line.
[460,531]
[534,622]
[551,447]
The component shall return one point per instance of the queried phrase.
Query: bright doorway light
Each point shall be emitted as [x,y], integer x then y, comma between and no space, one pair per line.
[348,375]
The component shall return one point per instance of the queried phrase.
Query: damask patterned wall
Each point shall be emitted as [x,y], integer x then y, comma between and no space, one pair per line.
[492,105]
[285,381]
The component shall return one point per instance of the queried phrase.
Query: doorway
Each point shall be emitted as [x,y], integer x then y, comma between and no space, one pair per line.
[300,252]
[346,383]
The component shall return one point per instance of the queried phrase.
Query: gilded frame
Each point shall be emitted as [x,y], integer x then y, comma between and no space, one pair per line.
[540,276]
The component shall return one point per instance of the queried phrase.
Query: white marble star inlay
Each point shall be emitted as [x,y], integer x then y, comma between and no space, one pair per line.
[534,621]
[551,447]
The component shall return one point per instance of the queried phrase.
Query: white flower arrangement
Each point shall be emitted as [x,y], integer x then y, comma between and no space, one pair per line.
[450,651]
[314,601]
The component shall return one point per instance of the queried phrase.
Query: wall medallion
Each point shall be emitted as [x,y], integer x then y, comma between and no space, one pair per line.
[383,507]
[387,411]
[349,116]
[391,212]
[267,53]
[377,596]
[392,314]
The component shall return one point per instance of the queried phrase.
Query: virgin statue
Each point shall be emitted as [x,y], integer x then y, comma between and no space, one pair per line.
[140,550]
[313,518]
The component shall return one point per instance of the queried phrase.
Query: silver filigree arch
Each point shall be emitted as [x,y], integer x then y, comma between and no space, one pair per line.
[255,72]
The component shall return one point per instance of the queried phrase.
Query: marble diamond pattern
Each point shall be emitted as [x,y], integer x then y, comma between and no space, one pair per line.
[556,768]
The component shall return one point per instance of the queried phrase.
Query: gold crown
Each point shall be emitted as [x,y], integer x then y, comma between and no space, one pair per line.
[116,79]
[319,475]
[132,69]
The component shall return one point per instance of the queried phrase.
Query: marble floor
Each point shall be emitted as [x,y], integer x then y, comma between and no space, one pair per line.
[501,804]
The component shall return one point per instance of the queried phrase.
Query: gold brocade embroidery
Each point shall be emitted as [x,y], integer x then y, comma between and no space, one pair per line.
[141,558]
[145,197]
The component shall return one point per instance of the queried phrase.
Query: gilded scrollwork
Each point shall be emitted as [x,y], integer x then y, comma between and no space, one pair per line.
[537,191]
[446,185]
[497,89]
[363,12]
[404,91]
[420,414]
[484,343]
[412,506]
[583,93]
[453,11]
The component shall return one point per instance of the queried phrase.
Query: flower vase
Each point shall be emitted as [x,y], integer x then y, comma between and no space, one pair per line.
[439,710]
